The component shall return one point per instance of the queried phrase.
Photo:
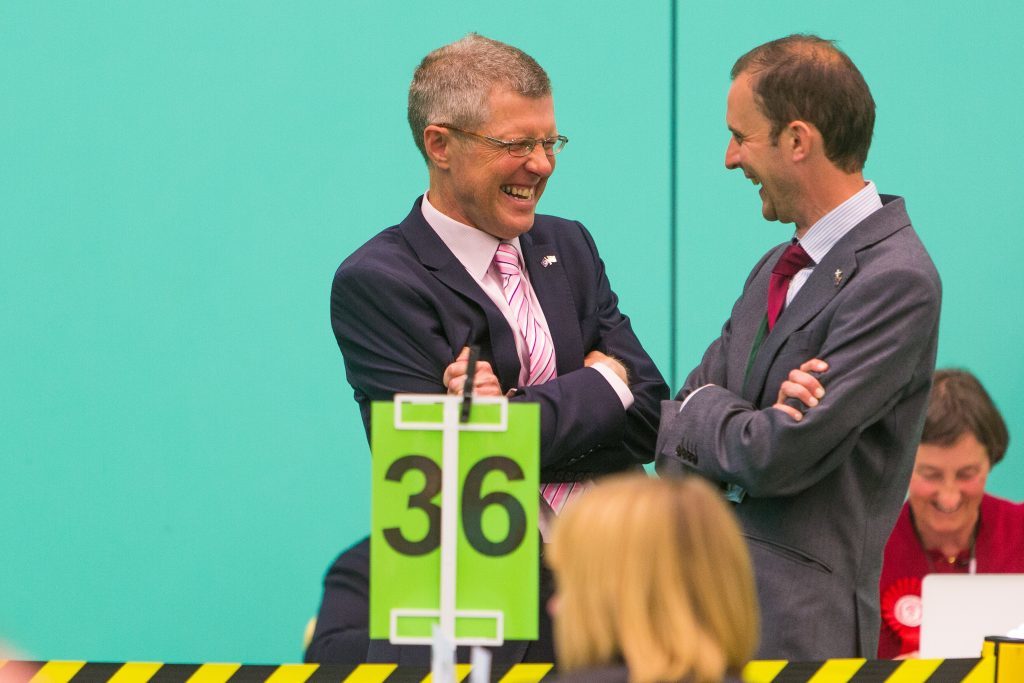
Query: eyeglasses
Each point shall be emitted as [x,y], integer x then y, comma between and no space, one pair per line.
[518,148]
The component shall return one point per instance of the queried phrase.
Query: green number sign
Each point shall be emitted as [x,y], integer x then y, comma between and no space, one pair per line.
[454,520]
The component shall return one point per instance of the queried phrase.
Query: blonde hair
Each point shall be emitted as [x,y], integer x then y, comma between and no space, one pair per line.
[653,573]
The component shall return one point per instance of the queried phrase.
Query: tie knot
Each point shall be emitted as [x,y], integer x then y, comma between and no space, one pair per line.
[506,259]
[793,260]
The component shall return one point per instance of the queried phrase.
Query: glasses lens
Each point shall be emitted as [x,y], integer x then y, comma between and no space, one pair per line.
[553,146]
[520,148]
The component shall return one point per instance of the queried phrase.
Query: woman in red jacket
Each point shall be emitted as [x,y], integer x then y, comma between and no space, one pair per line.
[949,524]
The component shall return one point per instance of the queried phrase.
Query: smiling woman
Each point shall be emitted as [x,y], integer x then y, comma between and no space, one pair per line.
[949,524]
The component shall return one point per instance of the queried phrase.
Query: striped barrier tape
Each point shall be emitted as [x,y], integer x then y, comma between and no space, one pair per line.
[1002,662]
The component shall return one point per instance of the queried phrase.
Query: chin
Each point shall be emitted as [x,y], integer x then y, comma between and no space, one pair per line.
[949,525]
[516,228]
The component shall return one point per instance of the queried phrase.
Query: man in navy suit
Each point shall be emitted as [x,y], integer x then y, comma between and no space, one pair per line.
[406,304]
[856,292]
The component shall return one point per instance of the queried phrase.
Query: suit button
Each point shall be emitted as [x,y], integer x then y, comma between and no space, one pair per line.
[686,455]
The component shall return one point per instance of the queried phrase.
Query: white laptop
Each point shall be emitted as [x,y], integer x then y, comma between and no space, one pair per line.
[959,610]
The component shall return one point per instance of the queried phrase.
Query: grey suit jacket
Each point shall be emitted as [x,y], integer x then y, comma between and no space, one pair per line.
[822,493]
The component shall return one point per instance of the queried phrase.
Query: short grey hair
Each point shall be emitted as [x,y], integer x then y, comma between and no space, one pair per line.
[453,83]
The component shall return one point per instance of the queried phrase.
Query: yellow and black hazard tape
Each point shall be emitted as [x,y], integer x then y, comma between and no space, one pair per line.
[1000,663]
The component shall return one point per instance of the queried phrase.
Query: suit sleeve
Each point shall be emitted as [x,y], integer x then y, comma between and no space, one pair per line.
[874,345]
[390,335]
[712,370]
[342,633]
[584,427]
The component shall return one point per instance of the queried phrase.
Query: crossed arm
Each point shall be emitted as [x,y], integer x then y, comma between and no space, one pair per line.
[485,382]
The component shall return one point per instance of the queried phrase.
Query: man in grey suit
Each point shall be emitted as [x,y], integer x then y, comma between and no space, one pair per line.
[817,469]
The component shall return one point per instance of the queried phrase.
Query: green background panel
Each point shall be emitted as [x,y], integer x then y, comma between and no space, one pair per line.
[180,455]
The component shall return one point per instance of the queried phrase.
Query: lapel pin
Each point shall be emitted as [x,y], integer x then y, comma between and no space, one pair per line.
[548,260]
[837,277]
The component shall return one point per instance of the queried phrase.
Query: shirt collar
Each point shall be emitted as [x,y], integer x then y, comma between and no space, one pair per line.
[473,247]
[831,227]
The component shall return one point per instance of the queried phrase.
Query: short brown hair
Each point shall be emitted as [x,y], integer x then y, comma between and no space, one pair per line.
[453,83]
[804,77]
[653,573]
[959,405]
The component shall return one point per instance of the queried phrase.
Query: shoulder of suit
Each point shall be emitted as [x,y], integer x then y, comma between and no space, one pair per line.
[387,246]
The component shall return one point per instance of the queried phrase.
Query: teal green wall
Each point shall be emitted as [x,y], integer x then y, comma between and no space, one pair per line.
[180,457]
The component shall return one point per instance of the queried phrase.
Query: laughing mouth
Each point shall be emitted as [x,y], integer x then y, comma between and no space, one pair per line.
[518,191]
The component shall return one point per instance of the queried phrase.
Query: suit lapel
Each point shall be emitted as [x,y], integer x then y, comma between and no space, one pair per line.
[551,285]
[751,311]
[442,264]
[826,281]
[815,294]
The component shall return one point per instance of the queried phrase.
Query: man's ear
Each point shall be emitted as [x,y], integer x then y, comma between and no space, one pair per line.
[437,143]
[802,139]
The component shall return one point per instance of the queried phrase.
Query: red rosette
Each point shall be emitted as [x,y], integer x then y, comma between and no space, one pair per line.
[901,611]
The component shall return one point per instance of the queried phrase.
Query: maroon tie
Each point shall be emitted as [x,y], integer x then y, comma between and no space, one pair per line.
[793,260]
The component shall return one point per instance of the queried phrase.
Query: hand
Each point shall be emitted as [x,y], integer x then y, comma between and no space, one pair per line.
[485,382]
[802,386]
[613,364]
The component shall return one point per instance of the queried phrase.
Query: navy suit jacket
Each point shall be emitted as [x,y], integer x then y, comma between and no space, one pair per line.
[403,307]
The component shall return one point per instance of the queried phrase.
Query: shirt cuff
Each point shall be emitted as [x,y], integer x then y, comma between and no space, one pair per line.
[616,383]
[691,395]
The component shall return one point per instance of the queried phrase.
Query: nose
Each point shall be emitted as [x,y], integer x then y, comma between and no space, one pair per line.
[949,498]
[539,163]
[732,154]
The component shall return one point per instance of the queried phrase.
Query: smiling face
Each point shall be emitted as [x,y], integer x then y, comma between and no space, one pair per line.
[482,185]
[946,489]
[762,160]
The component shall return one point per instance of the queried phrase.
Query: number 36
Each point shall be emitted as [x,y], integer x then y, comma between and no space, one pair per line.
[473,506]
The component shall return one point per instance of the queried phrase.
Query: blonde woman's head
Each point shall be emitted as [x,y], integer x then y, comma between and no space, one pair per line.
[653,573]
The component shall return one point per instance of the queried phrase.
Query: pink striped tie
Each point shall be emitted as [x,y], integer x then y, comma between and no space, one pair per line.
[538,345]
[541,353]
